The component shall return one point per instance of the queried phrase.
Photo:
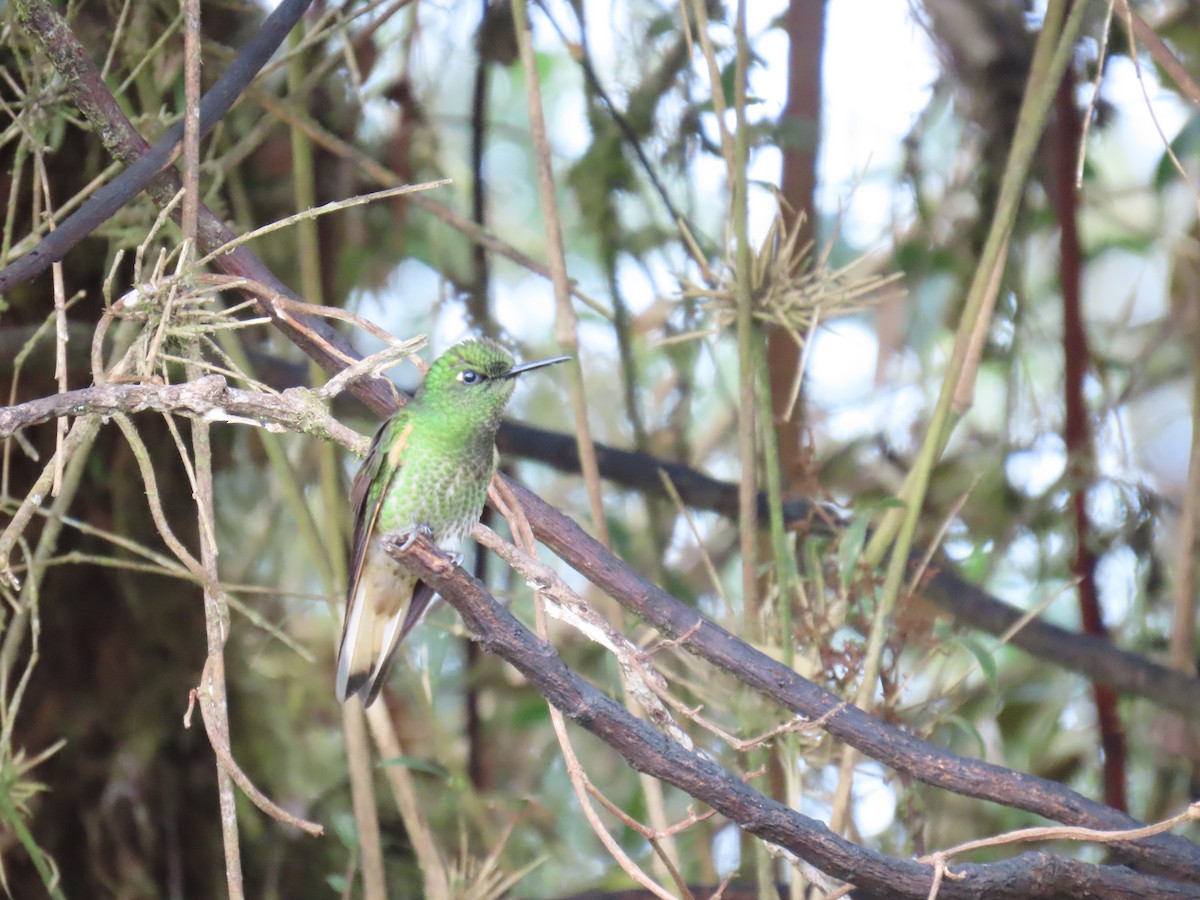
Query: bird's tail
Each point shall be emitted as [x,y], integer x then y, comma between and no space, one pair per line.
[357,653]
[372,632]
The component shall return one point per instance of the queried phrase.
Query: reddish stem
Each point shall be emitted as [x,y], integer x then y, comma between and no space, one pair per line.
[1068,130]
[805,24]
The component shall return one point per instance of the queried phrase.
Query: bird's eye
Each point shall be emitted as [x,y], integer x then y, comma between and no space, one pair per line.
[469,376]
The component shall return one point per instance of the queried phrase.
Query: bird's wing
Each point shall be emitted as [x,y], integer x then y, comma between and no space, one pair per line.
[366,499]
[366,496]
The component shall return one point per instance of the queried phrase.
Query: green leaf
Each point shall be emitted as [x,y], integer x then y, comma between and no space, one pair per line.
[967,727]
[338,883]
[417,765]
[850,548]
[987,662]
[343,825]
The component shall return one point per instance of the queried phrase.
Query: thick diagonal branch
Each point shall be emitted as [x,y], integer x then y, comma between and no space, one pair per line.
[650,751]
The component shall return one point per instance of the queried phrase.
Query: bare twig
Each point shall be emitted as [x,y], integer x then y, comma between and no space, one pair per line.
[429,857]
[208,715]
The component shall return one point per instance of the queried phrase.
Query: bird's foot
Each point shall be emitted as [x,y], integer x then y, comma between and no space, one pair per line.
[410,535]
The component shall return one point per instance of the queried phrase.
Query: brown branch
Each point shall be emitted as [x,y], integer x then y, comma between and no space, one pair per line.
[891,746]
[648,750]
[208,398]
[1077,431]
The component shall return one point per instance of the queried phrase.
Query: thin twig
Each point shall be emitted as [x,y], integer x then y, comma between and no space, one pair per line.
[209,715]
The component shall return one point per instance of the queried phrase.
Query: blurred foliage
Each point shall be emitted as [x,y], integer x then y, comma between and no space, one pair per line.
[127,805]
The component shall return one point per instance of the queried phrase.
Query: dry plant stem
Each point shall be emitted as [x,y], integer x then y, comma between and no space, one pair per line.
[429,858]
[751,347]
[565,321]
[1160,52]
[214,704]
[875,874]
[308,248]
[575,771]
[700,11]
[747,457]
[298,314]
[208,398]
[1058,833]
[362,798]
[332,206]
[191,121]
[60,368]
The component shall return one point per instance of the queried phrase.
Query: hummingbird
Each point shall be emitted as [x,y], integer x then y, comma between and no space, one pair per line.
[427,471]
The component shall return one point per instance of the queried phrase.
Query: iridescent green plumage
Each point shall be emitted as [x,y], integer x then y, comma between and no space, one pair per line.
[428,467]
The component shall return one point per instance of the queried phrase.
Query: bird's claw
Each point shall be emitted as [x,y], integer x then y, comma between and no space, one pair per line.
[410,535]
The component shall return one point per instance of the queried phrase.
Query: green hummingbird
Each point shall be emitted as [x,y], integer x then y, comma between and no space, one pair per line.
[428,470]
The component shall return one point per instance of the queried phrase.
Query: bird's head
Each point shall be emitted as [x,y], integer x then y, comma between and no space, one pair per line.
[473,381]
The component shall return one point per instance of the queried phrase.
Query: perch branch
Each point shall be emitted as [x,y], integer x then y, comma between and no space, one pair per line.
[649,750]
[893,747]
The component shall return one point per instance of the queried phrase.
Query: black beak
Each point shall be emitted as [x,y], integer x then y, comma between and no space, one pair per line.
[530,366]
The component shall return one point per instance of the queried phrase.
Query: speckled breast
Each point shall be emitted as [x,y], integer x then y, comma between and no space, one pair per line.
[445,491]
